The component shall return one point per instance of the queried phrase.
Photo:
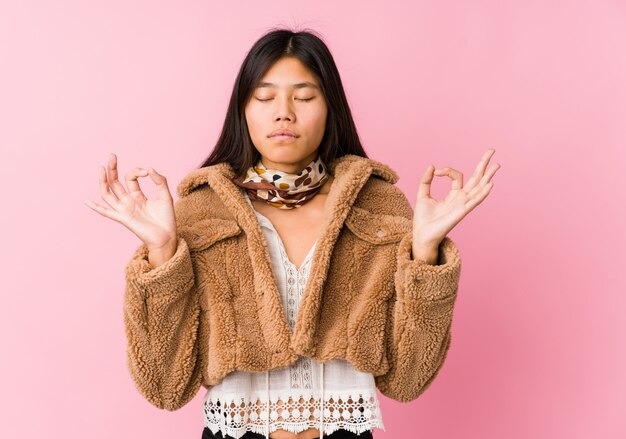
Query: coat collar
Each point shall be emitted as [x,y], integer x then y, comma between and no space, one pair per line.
[351,172]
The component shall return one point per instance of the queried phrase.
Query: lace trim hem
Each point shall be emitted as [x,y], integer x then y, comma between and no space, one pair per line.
[353,414]
[329,427]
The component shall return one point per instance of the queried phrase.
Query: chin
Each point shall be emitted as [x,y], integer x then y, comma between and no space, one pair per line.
[285,154]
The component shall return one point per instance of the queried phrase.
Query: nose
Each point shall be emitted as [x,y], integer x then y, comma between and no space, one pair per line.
[284,110]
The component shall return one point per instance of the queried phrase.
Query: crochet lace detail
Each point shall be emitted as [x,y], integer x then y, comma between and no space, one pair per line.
[300,373]
[296,281]
[340,411]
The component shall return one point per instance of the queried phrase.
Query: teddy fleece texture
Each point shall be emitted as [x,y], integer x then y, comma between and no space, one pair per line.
[214,307]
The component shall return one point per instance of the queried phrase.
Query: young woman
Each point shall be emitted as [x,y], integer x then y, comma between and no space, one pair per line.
[292,277]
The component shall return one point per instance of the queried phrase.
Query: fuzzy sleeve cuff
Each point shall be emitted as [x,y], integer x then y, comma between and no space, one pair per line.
[168,278]
[419,280]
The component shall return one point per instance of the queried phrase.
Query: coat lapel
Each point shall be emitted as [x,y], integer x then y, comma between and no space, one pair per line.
[351,172]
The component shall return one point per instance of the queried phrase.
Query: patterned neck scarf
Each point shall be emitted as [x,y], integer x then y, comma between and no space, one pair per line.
[282,189]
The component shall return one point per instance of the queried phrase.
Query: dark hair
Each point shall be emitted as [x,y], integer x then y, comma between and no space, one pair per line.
[340,136]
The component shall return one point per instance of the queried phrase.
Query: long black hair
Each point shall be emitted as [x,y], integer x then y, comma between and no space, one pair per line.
[340,135]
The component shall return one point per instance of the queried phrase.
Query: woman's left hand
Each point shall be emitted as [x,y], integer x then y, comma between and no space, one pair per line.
[433,219]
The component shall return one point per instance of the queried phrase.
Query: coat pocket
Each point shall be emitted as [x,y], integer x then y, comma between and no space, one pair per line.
[204,233]
[377,228]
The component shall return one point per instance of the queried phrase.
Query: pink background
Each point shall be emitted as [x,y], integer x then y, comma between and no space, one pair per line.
[539,346]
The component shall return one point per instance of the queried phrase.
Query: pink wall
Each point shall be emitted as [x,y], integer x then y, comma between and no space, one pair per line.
[538,345]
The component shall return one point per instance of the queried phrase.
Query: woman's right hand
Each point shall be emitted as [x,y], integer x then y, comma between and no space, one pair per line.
[153,221]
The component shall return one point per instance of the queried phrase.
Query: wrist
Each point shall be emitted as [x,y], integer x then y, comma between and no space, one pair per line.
[159,255]
[427,252]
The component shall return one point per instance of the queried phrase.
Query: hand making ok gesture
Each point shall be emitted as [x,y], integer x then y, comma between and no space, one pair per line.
[153,221]
[433,219]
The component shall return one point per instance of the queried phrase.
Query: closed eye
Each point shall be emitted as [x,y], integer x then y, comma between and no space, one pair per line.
[305,100]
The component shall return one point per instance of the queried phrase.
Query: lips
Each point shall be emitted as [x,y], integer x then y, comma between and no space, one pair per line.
[283,132]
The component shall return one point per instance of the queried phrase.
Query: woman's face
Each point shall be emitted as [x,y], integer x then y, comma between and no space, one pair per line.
[288,97]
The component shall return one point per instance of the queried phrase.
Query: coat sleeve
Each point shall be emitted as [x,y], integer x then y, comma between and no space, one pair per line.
[418,320]
[161,319]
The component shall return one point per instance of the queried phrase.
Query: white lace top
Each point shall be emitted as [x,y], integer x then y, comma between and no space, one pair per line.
[296,395]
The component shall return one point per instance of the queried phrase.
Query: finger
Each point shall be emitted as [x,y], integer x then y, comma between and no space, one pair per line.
[423,190]
[480,169]
[478,196]
[163,191]
[490,173]
[107,195]
[106,212]
[131,179]
[112,178]
[484,180]
[455,175]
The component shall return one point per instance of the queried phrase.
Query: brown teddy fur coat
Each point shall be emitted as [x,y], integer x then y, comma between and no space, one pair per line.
[214,306]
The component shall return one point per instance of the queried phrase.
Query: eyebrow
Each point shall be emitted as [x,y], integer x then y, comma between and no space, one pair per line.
[298,85]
